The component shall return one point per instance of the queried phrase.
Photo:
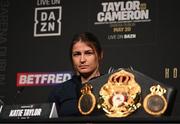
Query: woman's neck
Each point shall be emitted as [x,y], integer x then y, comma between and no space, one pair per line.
[85,79]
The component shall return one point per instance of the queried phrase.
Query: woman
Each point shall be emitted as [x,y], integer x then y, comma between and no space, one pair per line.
[86,55]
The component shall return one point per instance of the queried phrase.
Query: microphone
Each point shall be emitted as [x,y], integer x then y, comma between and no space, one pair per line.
[18,93]
[1,105]
[1,102]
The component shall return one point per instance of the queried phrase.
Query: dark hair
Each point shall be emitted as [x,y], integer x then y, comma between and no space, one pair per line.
[88,38]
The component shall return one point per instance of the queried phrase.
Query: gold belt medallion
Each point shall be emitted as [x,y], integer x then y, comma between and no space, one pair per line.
[120,96]
[87,100]
[155,103]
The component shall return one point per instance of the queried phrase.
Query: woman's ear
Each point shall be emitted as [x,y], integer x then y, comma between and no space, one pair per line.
[101,56]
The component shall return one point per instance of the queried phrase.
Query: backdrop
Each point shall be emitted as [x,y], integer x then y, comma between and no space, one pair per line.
[35,36]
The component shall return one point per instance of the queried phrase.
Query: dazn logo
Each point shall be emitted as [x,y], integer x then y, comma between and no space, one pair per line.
[47,21]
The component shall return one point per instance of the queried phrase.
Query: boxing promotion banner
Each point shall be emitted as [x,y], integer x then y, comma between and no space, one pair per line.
[123,21]
[35,39]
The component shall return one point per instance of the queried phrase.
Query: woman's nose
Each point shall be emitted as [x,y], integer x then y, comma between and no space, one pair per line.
[83,58]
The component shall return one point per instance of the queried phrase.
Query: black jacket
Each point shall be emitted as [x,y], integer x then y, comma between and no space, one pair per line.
[66,97]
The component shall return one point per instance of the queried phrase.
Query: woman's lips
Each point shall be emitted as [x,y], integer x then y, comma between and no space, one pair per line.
[83,66]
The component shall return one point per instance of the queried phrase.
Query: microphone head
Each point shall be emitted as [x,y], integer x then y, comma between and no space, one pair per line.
[1,102]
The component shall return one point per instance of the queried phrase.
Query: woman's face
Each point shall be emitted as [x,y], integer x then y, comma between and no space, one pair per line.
[84,58]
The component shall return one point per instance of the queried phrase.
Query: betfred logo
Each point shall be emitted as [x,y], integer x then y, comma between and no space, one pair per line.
[41,79]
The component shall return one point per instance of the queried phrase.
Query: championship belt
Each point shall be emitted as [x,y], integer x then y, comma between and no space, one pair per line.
[120,96]
[155,103]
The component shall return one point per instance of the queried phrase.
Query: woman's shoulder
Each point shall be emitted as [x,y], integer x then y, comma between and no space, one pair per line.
[63,89]
[71,82]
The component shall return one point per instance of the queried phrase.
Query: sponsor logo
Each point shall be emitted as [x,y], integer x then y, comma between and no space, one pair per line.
[47,21]
[41,79]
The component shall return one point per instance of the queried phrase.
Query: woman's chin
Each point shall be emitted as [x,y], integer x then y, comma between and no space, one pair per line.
[84,72]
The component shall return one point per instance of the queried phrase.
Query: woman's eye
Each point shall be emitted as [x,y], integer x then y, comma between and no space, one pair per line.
[76,54]
[89,52]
